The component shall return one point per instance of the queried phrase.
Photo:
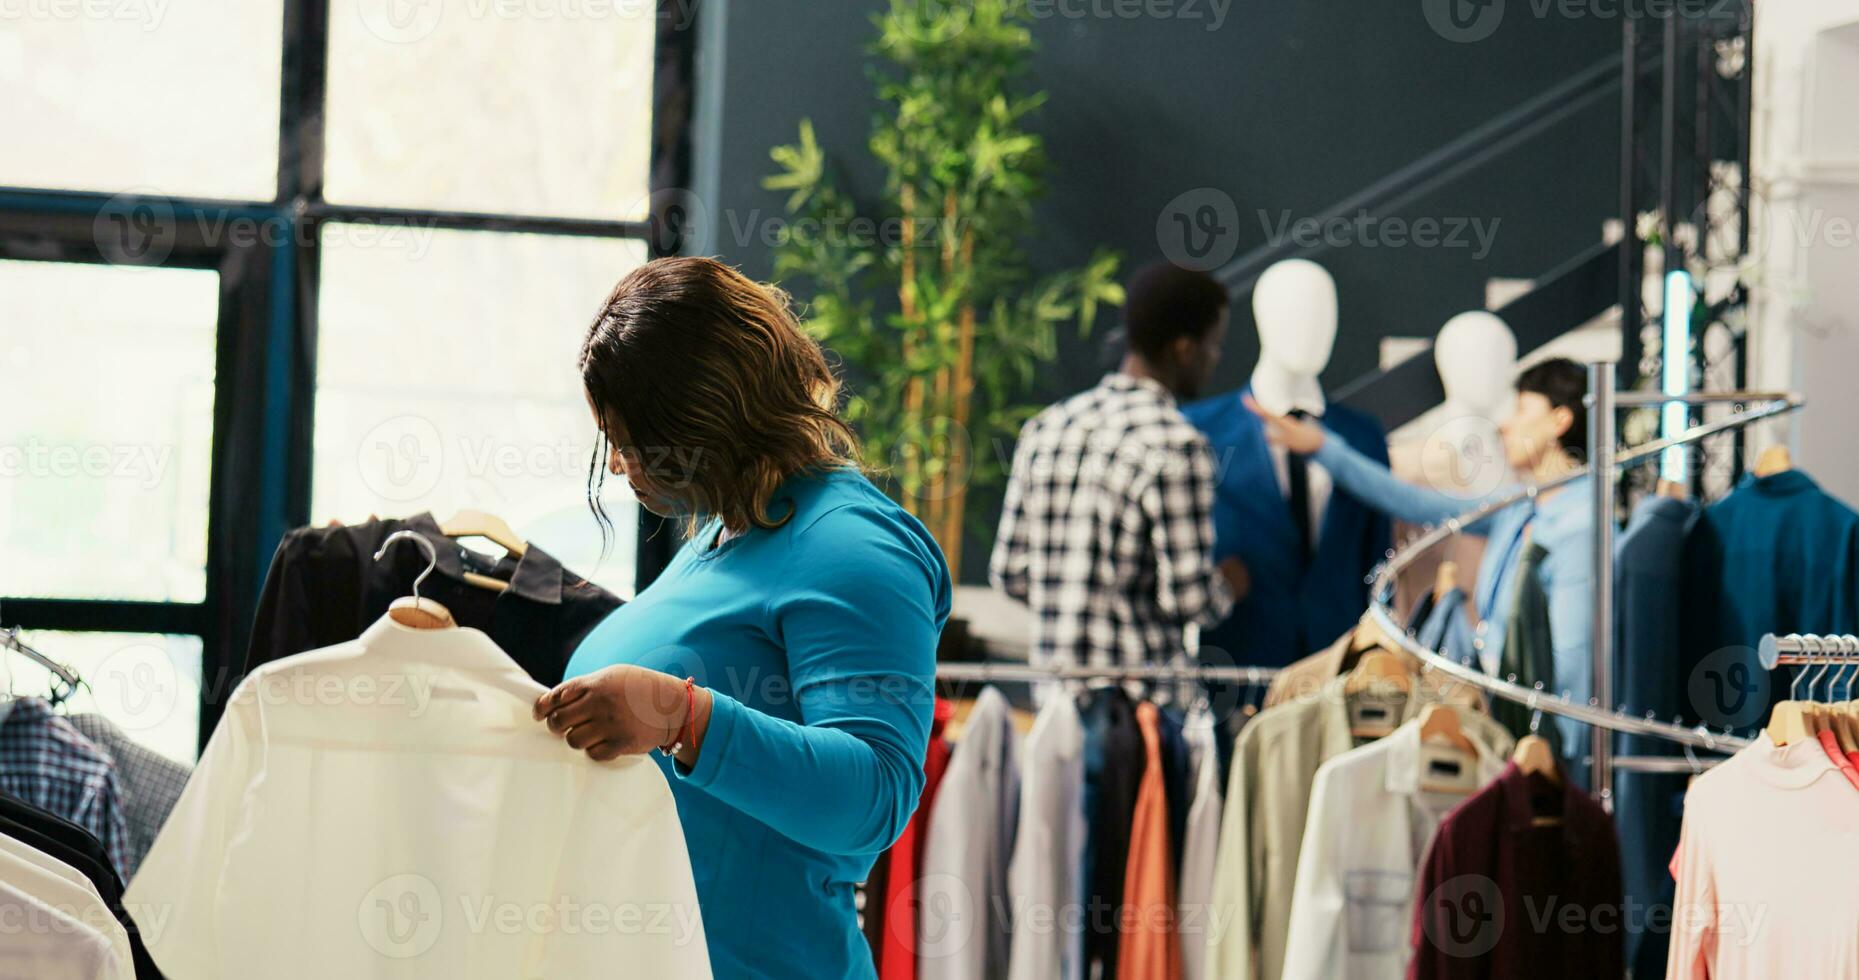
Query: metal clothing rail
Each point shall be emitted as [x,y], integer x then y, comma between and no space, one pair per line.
[988,671]
[1798,649]
[1604,461]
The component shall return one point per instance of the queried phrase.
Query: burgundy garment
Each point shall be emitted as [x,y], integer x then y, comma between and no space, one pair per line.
[1501,897]
[325,587]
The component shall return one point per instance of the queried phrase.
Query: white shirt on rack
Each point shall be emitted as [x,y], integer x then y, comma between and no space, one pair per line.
[1201,845]
[971,833]
[44,943]
[1048,849]
[77,899]
[388,807]
[1352,909]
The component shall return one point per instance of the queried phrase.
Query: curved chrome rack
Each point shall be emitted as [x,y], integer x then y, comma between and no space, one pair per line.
[1771,404]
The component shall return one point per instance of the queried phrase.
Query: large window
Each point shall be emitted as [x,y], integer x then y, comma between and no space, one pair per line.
[264,262]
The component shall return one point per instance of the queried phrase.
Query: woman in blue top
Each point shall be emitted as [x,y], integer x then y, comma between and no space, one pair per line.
[1545,437]
[804,608]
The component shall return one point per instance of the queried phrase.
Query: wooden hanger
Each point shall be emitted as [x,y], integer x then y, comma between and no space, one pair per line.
[1440,723]
[1368,635]
[1445,580]
[412,611]
[1673,490]
[1535,758]
[1789,724]
[1379,668]
[1773,460]
[478,524]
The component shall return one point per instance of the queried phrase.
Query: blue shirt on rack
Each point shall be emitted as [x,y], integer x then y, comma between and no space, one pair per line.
[1561,521]
[817,641]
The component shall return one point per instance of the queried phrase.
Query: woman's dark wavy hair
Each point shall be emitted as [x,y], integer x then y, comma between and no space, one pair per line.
[720,393]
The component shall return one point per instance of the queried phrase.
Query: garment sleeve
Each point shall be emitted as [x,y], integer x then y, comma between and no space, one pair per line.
[1694,907]
[859,625]
[1314,939]
[1177,501]
[1233,922]
[173,896]
[1432,910]
[279,628]
[1371,482]
[1009,564]
[1571,608]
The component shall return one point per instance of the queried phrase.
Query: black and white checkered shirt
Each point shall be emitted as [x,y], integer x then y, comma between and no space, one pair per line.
[1107,532]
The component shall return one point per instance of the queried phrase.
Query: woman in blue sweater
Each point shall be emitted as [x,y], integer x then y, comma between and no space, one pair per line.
[785,660]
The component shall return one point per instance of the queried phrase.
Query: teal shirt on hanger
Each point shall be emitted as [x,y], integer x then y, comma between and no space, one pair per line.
[817,640]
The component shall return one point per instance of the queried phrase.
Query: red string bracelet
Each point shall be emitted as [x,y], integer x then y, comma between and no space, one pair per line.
[690,716]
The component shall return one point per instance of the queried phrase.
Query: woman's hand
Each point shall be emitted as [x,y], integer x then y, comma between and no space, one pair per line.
[626,710]
[1296,435]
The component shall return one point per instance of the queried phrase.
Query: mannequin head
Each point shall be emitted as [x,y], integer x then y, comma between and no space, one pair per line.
[1176,322]
[1294,304]
[1549,428]
[1476,355]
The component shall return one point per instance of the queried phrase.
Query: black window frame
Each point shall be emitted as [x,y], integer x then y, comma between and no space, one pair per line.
[265,357]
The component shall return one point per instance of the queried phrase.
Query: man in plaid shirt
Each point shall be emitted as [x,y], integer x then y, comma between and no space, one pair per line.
[1107,532]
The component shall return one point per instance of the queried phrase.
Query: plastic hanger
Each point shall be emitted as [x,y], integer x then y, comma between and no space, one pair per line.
[412,611]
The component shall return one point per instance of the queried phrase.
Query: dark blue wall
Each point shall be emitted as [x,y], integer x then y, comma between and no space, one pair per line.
[1288,105]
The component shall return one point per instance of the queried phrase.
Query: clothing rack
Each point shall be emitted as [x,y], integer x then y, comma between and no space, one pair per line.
[994,671]
[9,640]
[1800,650]
[1604,461]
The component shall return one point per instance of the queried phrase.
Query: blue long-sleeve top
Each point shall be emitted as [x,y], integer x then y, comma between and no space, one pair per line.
[817,642]
[1562,522]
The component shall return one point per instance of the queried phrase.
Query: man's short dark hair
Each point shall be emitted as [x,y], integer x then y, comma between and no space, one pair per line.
[1165,302]
[1565,384]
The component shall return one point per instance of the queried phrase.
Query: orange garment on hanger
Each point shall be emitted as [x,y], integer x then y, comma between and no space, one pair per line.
[1151,948]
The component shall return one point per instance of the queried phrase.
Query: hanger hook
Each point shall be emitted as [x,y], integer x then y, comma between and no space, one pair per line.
[432,555]
[1536,713]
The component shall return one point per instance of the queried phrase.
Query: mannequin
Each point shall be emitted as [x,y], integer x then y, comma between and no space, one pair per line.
[1476,355]
[1294,304]
[1307,575]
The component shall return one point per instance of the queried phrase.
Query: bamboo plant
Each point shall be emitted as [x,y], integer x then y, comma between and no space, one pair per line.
[936,309]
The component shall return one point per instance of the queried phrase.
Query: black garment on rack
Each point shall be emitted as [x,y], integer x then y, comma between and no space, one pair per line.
[1177,770]
[1529,654]
[57,837]
[325,588]
[1112,785]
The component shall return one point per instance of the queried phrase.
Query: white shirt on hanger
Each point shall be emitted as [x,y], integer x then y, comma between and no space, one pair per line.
[78,900]
[46,944]
[388,807]
[1200,845]
[971,834]
[1048,850]
[1369,826]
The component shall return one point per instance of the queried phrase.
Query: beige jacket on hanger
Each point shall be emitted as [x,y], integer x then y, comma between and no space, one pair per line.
[1275,762]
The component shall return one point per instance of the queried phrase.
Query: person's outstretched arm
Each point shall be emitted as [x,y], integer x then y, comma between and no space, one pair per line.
[1365,479]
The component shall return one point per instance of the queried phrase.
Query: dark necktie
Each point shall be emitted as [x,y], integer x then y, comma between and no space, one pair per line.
[1297,468]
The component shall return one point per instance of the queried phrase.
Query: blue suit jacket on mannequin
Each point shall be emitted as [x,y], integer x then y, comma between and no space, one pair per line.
[1294,609]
